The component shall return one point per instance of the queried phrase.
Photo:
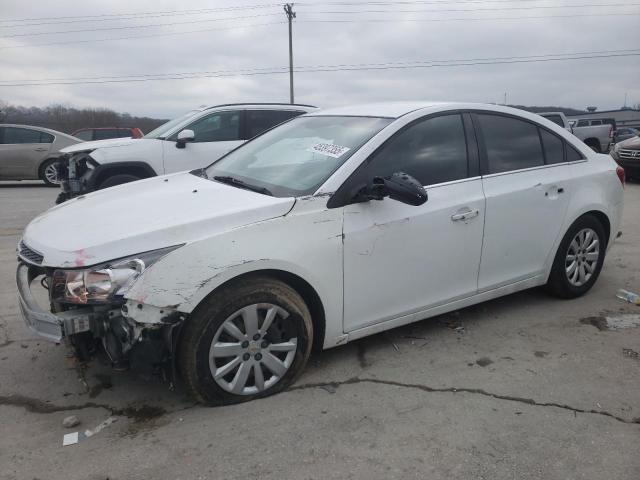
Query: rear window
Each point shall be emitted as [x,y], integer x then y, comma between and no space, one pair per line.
[511,144]
[85,135]
[259,121]
[105,133]
[13,136]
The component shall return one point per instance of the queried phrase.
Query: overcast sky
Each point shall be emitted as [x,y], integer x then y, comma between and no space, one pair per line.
[240,40]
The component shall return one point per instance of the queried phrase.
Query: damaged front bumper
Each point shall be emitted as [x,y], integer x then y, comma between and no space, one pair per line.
[77,175]
[53,327]
[109,326]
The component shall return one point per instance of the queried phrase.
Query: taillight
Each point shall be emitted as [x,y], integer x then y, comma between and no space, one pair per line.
[612,133]
[620,172]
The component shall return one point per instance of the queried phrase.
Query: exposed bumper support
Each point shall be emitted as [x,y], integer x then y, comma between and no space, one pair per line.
[53,327]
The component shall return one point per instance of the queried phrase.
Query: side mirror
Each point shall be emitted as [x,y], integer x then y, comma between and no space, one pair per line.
[400,186]
[185,136]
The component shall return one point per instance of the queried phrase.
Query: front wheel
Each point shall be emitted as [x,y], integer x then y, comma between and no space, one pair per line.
[579,258]
[249,340]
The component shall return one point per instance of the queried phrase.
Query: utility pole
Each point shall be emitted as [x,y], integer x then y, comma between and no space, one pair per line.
[288,9]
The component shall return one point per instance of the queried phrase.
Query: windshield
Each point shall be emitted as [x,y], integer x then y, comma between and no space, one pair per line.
[297,157]
[168,126]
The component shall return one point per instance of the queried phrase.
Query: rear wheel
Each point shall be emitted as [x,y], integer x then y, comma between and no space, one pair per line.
[247,341]
[594,145]
[579,258]
[49,173]
[118,180]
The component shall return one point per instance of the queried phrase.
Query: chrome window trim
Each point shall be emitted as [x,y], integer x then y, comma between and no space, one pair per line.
[452,182]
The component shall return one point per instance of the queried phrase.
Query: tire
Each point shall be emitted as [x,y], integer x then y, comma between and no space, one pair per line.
[251,356]
[563,281]
[117,180]
[594,145]
[49,173]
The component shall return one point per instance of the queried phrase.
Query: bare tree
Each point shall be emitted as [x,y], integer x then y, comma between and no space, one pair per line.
[66,118]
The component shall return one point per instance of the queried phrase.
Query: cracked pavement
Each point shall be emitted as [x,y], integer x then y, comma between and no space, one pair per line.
[525,387]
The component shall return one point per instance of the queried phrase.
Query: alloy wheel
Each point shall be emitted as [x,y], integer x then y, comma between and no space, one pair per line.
[253,349]
[51,174]
[582,257]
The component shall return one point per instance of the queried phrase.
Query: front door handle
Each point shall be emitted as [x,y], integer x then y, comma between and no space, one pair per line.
[465,214]
[41,149]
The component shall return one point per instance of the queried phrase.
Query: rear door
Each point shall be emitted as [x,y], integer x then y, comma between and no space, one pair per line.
[215,134]
[22,151]
[400,259]
[526,181]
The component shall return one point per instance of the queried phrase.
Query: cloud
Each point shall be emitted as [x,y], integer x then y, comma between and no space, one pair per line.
[601,82]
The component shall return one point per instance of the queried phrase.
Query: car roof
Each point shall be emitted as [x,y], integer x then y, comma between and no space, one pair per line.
[398,109]
[284,106]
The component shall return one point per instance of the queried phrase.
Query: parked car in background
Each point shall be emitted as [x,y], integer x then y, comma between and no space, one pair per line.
[31,153]
[624,133]
[105,133]
[627,154]
[331,227]
[191,141]
[599,135]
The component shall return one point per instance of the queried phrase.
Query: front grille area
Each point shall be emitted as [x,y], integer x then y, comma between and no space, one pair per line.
[629,154]
[29,255]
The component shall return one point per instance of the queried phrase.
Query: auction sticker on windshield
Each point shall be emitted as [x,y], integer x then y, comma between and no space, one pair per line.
[328,149]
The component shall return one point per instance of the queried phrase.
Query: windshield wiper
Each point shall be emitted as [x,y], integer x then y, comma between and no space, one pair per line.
[240,184]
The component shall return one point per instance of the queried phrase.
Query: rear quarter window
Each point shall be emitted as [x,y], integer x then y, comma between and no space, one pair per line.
[553,147]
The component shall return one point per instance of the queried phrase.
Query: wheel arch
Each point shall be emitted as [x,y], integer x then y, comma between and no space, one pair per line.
[297,283]
[593,142]
[104,171]
[594,211]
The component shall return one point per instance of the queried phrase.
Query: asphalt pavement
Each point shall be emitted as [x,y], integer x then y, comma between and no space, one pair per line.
[523,387]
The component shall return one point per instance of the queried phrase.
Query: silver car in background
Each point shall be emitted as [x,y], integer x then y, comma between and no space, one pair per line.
[30,153]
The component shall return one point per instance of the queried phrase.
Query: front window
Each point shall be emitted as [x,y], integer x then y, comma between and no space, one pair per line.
[299,156]
[218,127]
[165,128]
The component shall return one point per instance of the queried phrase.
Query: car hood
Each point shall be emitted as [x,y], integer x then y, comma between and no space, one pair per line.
[112,142]
[146,215]
[632,143]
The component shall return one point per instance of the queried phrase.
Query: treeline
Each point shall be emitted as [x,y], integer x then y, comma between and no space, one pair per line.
[68,119]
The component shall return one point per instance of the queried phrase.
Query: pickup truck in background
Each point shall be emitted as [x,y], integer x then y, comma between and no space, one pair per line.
[598,136]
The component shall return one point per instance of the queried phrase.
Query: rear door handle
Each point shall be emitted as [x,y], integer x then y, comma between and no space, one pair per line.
[464,214]
[41,149]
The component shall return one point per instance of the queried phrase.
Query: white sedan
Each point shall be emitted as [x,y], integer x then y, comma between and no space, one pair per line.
[333,226]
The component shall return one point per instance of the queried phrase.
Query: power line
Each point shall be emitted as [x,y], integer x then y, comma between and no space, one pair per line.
[354,67]
[109,16]
[130,37]
[468,19]
[157,14]
[461,19]
[142,75]
[139,26]
[492,9]
[59,32]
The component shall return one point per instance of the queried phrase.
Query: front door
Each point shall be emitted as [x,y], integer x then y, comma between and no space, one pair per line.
[215,135]
[400,259]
